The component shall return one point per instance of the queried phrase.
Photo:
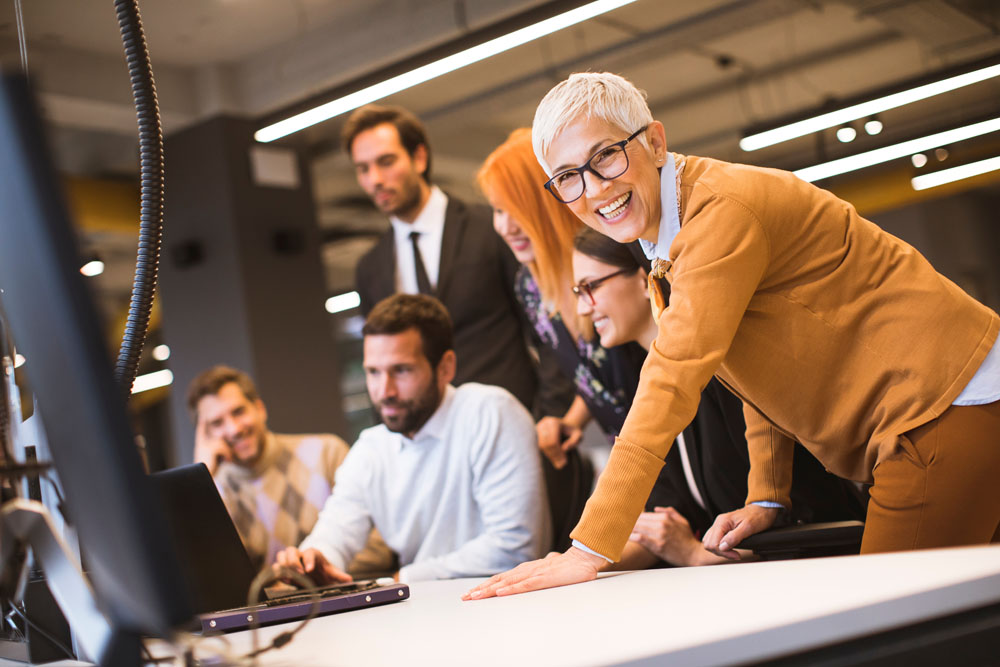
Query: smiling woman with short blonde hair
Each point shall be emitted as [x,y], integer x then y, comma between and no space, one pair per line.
[831,331]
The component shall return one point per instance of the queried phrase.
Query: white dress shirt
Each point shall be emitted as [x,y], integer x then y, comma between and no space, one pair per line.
[430,224]
[464,498]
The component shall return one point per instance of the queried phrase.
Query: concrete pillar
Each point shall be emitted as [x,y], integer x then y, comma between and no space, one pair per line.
[241,280]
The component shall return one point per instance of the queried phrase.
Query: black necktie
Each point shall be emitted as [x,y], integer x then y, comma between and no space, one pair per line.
[423,282]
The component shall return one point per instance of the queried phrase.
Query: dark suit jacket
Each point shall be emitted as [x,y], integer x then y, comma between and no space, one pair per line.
[476,285]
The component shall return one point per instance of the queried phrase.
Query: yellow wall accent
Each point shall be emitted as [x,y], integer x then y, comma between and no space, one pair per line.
[103,205]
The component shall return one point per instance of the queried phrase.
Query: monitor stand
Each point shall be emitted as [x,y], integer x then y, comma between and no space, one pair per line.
[26,523]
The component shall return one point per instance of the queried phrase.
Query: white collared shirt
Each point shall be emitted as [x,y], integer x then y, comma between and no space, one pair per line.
[464,498]
[430,224]
[670,221]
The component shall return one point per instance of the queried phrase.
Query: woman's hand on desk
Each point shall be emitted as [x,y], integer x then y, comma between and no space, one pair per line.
[733,527]
[311,563]
[573,567]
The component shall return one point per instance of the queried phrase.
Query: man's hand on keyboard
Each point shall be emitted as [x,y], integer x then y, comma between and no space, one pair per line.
[313,564]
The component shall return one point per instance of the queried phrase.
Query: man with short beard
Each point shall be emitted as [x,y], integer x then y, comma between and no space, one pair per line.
[451,478]
[273,484]
[447,248]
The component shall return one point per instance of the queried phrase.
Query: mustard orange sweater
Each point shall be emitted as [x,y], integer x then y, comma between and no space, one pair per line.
[832,332]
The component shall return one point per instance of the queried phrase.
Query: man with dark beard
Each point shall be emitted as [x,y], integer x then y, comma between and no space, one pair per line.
[447,248]
[451,478]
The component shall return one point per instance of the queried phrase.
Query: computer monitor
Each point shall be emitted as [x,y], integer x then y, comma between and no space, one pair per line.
[130,561]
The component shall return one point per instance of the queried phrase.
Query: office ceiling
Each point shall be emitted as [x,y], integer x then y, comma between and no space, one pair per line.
[711,68]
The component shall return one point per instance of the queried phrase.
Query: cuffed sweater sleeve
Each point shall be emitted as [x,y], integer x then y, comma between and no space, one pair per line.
[771,453]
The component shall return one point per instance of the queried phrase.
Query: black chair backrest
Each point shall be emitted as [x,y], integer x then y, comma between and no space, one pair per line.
[568,490]
[810,540]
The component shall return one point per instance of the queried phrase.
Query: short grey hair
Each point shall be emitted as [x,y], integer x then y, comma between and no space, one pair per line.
[594,95]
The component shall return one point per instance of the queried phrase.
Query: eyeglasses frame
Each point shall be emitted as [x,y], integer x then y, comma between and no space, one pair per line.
[587,287]
[586,166]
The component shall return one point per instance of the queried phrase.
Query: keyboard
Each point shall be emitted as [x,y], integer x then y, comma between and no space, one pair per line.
[333,590]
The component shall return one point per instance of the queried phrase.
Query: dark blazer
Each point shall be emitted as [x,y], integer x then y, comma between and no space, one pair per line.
[476,285]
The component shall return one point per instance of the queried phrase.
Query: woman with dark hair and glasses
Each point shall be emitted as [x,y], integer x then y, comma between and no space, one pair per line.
[705,473]
[831,331]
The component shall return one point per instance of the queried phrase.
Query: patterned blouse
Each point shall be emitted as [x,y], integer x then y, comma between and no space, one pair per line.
[605,378]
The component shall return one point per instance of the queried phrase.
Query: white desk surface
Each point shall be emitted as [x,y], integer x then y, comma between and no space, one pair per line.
[695,616]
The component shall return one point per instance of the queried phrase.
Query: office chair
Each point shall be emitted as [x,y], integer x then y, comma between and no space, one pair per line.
[568,489]
[820,524]
[810,540]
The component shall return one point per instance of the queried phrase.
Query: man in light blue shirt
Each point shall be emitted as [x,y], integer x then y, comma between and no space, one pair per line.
[451,478]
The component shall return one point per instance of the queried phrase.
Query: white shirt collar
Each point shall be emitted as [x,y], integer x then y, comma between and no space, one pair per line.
[430,219]
[670,221]
[434,428]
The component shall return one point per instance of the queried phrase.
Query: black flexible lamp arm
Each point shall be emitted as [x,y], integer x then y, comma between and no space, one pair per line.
[151,201]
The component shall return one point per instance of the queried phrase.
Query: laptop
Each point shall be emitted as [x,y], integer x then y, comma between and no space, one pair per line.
[220,572]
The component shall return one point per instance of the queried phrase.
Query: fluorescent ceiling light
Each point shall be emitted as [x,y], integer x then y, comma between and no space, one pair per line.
[342,302]
[152,381]
[926,181]
[880,155]
[846,115]
[436,69]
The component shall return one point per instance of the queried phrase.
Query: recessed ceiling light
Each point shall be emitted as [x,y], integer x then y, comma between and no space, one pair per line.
[846,134]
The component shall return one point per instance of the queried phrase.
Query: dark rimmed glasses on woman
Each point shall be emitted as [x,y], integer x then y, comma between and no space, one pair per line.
[607,164]
[585,288]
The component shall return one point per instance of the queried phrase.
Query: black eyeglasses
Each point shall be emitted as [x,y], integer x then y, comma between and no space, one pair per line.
[585,288]
[608,163]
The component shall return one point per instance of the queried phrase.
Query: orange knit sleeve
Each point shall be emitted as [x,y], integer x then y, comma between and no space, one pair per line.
[771,454]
